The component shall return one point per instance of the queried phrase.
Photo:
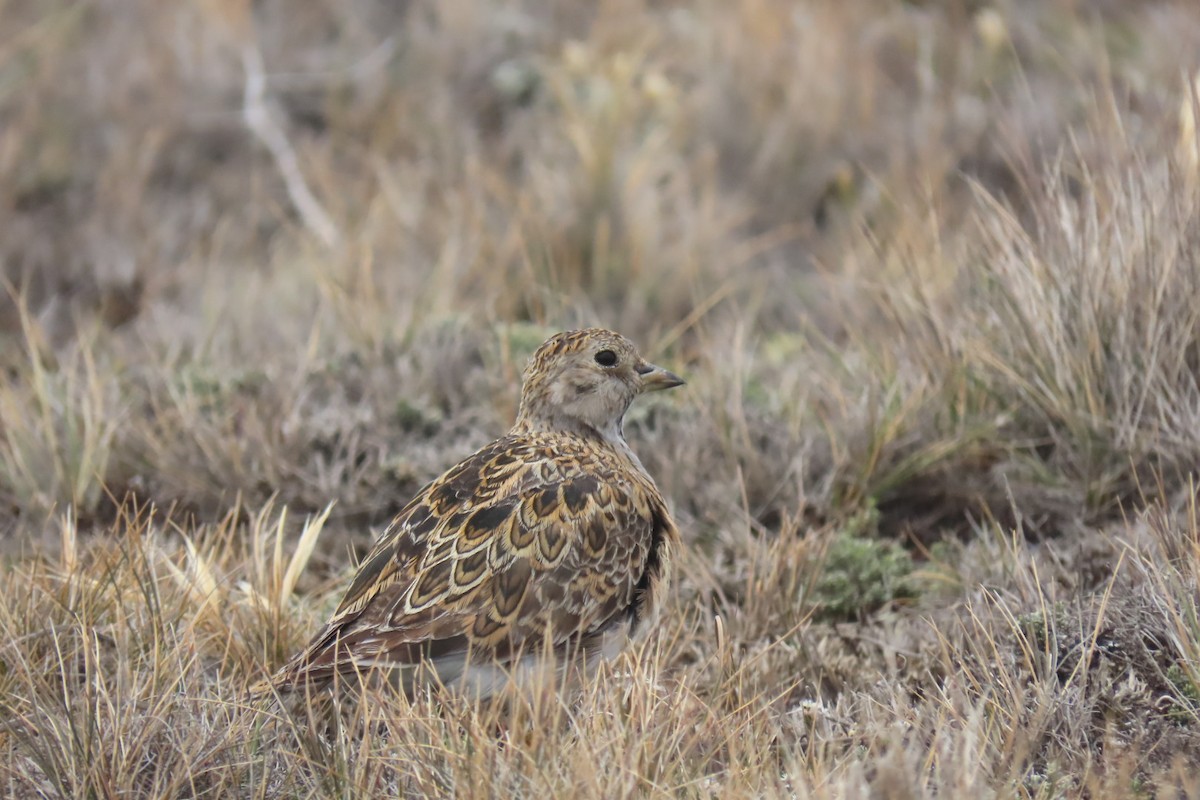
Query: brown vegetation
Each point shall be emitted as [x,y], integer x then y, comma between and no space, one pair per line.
[931,270]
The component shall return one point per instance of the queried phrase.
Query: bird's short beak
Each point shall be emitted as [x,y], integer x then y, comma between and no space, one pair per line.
[655,379]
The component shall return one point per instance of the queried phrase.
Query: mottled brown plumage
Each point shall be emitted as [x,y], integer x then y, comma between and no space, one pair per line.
[550,540]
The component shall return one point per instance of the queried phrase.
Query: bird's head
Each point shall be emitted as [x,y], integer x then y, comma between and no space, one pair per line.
[586,380]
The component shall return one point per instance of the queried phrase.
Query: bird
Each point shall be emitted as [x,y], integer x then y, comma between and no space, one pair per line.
[551,542]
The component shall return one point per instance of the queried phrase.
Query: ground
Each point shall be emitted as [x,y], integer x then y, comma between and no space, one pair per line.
[930,269]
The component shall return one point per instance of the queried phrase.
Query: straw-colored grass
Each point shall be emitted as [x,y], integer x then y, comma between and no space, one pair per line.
[931,272]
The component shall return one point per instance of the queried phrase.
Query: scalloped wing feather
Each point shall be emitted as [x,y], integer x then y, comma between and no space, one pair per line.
[532,541]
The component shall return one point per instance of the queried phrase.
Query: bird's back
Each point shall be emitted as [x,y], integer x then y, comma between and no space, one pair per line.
[537,542]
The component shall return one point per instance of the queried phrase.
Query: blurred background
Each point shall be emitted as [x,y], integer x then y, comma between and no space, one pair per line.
[262,248]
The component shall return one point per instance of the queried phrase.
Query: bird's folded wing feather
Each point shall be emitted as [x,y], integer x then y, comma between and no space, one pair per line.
[491,558]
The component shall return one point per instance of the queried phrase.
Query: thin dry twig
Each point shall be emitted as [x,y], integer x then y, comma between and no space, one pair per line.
[263,124]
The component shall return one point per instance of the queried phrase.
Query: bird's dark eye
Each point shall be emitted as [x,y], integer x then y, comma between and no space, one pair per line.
[606,358]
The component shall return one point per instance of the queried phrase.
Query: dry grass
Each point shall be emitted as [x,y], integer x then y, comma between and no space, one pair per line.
[930,269]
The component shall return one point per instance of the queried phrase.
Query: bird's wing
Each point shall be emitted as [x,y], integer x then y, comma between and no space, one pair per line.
[500,552]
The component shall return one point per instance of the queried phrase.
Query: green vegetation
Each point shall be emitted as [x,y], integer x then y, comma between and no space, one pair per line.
[860,576]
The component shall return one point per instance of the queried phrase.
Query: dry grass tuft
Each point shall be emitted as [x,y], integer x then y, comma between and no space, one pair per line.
[929,268]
